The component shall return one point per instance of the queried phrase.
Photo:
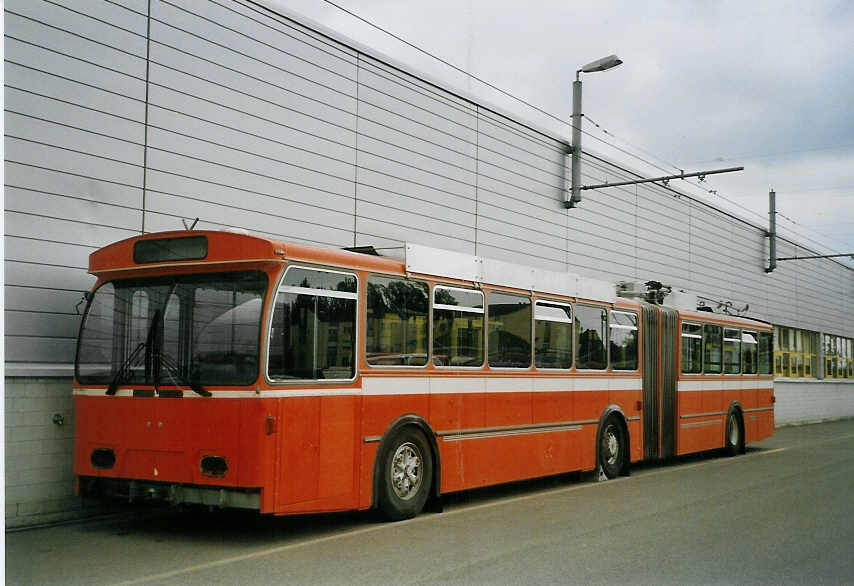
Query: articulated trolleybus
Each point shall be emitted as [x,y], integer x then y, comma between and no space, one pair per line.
[237,371]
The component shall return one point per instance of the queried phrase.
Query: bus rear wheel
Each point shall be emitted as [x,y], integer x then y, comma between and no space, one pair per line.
[407,473]
[733,442]
[611,447]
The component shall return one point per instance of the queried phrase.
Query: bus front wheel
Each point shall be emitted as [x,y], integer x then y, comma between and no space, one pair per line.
[407,473]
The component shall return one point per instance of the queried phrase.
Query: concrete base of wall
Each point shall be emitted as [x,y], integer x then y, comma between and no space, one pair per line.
[39,453]
[810,401]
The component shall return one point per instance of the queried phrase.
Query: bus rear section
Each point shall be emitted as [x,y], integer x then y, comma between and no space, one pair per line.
[725,383]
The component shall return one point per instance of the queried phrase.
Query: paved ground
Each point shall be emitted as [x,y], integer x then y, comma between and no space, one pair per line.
[783,513]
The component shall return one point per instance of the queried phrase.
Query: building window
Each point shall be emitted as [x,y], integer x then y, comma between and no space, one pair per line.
[794,352]
[838,357]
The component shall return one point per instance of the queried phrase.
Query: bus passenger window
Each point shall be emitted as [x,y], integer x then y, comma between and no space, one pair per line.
[624,341]
[313,330]
[590,332]
[732,351]
[766,352]
[457,327]
[509,327]
[749,343]
[692,347]
[552,335]
[712,349]
[397,322]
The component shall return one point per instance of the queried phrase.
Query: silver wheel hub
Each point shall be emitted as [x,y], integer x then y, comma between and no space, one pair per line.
[406,471]
[611,444]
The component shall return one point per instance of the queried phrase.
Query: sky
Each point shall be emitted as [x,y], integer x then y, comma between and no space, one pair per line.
[768,85]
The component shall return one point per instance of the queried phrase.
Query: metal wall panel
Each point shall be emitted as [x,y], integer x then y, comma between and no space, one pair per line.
[416,161]
[251,124]
[74,134]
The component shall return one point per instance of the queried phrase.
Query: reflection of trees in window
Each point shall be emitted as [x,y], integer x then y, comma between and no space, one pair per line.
[397,326]
[590,324]
[313,335]
[457,327]
[444,297]
[509,330]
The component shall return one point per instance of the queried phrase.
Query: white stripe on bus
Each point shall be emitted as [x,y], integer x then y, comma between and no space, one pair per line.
[418,385]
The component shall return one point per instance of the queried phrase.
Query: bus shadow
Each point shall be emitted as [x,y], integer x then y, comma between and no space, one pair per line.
[235,527]
[226,527]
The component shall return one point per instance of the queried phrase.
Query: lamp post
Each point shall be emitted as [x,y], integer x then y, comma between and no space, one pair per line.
[602,64]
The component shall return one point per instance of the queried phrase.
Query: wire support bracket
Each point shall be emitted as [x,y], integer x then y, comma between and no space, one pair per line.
[664,179]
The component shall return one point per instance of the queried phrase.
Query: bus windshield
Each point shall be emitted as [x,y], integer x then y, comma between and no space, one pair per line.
[198,329]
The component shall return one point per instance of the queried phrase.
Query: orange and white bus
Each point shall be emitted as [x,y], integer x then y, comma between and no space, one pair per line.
[233,370]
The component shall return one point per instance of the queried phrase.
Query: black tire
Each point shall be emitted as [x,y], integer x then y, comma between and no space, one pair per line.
[406,474]
[612,447]
[734,439]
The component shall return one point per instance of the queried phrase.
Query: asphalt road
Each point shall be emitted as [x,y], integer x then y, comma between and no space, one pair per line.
[781,514]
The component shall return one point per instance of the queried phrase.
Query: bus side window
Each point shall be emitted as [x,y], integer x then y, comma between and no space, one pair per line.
[749,348]
[712,349]
[314,326]
[692,348]
[590,332]
[397,322]
[509,330]
[623,340]
[552,335]
[766,352]
[457,327]
[732,351]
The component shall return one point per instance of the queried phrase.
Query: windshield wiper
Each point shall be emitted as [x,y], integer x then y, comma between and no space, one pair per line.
[122,371]
[147,345]
[173,370]
[161,360]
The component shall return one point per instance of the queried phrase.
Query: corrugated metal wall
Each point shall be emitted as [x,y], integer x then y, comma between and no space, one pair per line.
[255,121]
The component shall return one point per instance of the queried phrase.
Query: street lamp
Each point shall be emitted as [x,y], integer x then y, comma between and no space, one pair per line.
[602,64]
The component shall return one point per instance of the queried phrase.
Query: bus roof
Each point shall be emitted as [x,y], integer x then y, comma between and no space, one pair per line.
[723,319]
[183,248]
